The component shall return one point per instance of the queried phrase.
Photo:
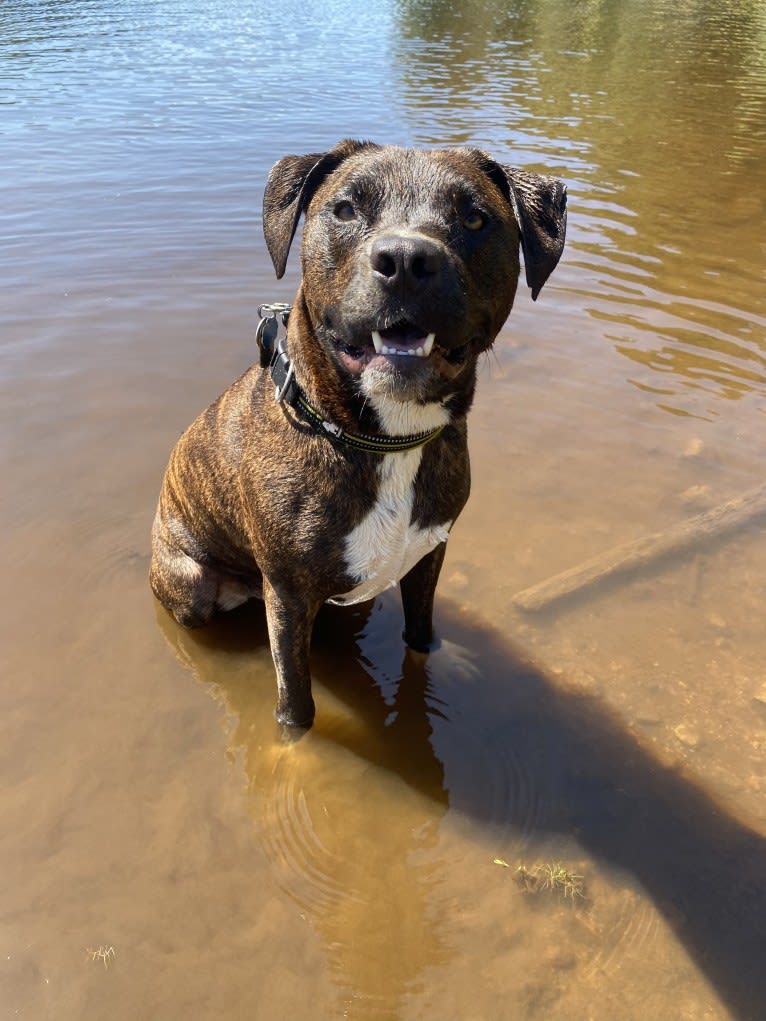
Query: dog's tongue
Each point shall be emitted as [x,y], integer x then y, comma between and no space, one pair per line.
[402,340]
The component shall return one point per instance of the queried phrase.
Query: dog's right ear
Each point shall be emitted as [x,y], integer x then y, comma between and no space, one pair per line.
[289,189]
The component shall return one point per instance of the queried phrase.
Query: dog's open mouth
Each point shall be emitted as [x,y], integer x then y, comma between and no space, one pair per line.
[400,345]
[403,340]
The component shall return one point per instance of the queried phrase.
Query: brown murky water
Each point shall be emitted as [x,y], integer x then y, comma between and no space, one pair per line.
[147,803]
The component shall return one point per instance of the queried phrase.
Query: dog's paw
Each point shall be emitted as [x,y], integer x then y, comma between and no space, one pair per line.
[295,719]
[420,643]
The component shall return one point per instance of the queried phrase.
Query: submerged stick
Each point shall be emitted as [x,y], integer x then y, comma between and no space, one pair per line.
[640,552]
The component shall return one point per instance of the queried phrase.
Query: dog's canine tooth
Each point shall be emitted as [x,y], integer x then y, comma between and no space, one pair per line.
[429,343]
[377,342]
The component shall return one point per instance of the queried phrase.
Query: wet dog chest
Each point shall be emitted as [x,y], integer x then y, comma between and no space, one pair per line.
[385,544]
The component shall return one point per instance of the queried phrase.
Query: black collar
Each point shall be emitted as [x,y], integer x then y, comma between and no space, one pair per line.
[275,356]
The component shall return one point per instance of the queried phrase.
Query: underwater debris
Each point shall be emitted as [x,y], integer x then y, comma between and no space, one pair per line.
[105,954]
[548,876]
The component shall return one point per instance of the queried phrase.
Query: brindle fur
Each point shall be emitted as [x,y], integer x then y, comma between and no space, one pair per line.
[255,502]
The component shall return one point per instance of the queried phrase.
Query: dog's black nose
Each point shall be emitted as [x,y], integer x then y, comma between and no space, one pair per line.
[406,261]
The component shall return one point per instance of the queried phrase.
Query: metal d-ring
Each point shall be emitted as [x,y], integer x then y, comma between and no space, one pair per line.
[280,392]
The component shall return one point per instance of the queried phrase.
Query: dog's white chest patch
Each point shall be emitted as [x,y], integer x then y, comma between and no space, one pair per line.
[385,544]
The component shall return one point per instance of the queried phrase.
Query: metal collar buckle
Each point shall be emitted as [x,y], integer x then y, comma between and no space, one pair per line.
[270,317]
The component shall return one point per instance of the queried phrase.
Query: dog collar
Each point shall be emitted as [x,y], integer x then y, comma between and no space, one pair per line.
[287,391]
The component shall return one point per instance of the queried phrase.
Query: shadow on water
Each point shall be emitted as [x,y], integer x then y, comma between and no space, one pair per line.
[403,741]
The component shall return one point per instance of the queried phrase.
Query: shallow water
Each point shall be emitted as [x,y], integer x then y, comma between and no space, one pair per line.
[148,804]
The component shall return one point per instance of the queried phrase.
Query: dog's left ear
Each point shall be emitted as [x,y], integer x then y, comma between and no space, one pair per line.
[539,204]
[289,189]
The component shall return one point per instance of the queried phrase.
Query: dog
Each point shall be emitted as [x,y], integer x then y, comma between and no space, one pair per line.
[337,467]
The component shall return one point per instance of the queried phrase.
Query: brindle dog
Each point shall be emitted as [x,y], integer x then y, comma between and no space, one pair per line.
[352,482]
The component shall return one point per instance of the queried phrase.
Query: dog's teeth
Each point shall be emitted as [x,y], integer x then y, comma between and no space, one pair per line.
[382,348]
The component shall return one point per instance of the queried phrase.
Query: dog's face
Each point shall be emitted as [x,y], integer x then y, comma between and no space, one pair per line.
[411,257]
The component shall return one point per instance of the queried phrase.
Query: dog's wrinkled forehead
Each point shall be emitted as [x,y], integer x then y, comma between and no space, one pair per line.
[409,185]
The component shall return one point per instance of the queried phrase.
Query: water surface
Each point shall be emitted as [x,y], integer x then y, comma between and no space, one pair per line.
[148,803]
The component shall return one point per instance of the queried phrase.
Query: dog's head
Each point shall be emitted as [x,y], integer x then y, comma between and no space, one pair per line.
[411,257]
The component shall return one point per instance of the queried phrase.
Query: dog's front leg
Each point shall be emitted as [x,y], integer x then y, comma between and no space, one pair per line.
[290,620]
[418,587]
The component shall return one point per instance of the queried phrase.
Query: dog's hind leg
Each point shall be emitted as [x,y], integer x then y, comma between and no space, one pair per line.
[185,587]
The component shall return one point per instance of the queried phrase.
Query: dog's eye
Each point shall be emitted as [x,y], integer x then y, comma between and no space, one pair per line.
[345,212]
[474,220]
